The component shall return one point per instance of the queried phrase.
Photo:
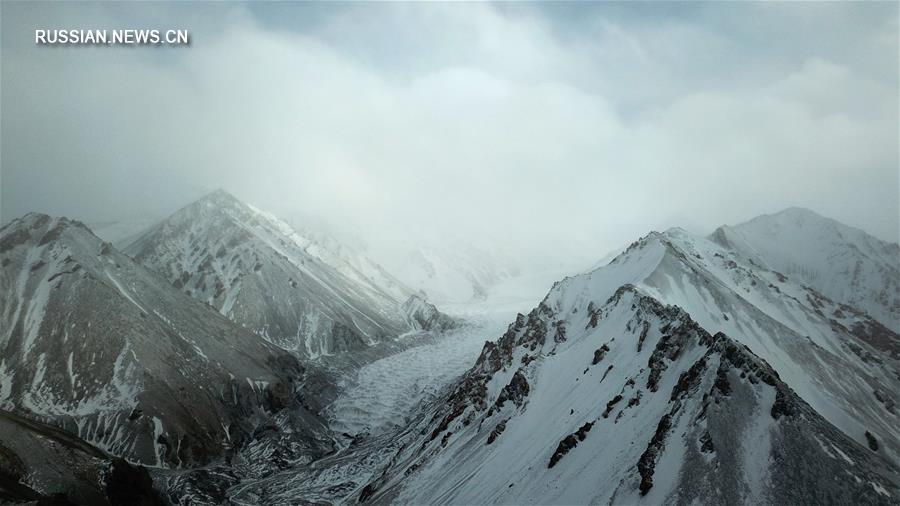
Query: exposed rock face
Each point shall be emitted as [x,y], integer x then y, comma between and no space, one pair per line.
[97,345]
[423,315]
[496,432]
[260,273]
[41,463]
[873,443]
[569,442]
[688,413]
[599,354]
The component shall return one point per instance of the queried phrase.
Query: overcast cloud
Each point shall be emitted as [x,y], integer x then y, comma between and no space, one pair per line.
[545,130]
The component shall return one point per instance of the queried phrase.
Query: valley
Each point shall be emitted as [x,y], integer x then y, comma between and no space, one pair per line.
[237,361]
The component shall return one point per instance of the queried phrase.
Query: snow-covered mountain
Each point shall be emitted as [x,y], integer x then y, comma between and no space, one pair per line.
[423,315]
[348,261]
[99,346]
[685,369]
[844,263]
[295,292]
[679,372]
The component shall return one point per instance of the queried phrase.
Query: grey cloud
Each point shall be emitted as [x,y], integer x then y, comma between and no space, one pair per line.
[548,131]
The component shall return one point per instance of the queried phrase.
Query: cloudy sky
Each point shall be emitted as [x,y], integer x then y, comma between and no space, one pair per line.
[548,130]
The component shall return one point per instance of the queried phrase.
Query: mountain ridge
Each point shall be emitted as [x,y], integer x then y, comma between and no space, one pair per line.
[101,347]
[788,329]
[508,395]
[685,369]
[843,262]
[254,269]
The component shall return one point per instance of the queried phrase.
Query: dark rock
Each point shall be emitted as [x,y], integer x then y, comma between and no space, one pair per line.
[563,448]
[706,443]
[645,329]
[496,432]
[610,405]
[606,372]
[873,443]
[599,354]
[886,400]
[515,391]
[647,462]
[689,379]
[367,492]
[634,401]
[781,406]
[560,335]
[569,442]
[128,484]
[722,384]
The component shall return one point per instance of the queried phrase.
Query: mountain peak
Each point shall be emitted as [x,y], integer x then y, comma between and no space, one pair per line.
[678,367]
[259,272]
[220,197]
[216,204]
[799,211]
[843,262]
[798,217]
[46,227]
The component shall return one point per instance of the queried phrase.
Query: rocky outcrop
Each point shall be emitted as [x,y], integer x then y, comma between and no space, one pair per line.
[569,442]
[424,315]
[710,390]
[599,354]
[40,463]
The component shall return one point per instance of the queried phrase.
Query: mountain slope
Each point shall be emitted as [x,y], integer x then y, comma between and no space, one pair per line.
[694,349]
[30,454]
[259,273]
[423,315]
[348,261]
[844,263]
[626,401]
[841,361]
[99,346]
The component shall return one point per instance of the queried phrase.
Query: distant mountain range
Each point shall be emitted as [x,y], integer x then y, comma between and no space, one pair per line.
[177,371]
[683,371]
[191,362]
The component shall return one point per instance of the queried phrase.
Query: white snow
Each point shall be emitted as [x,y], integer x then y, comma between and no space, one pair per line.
[386,391]
[158,448]
[880,489]
[843,455]
[35,305]
[721,292]
[72,376]
[842,262]
[125,292]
